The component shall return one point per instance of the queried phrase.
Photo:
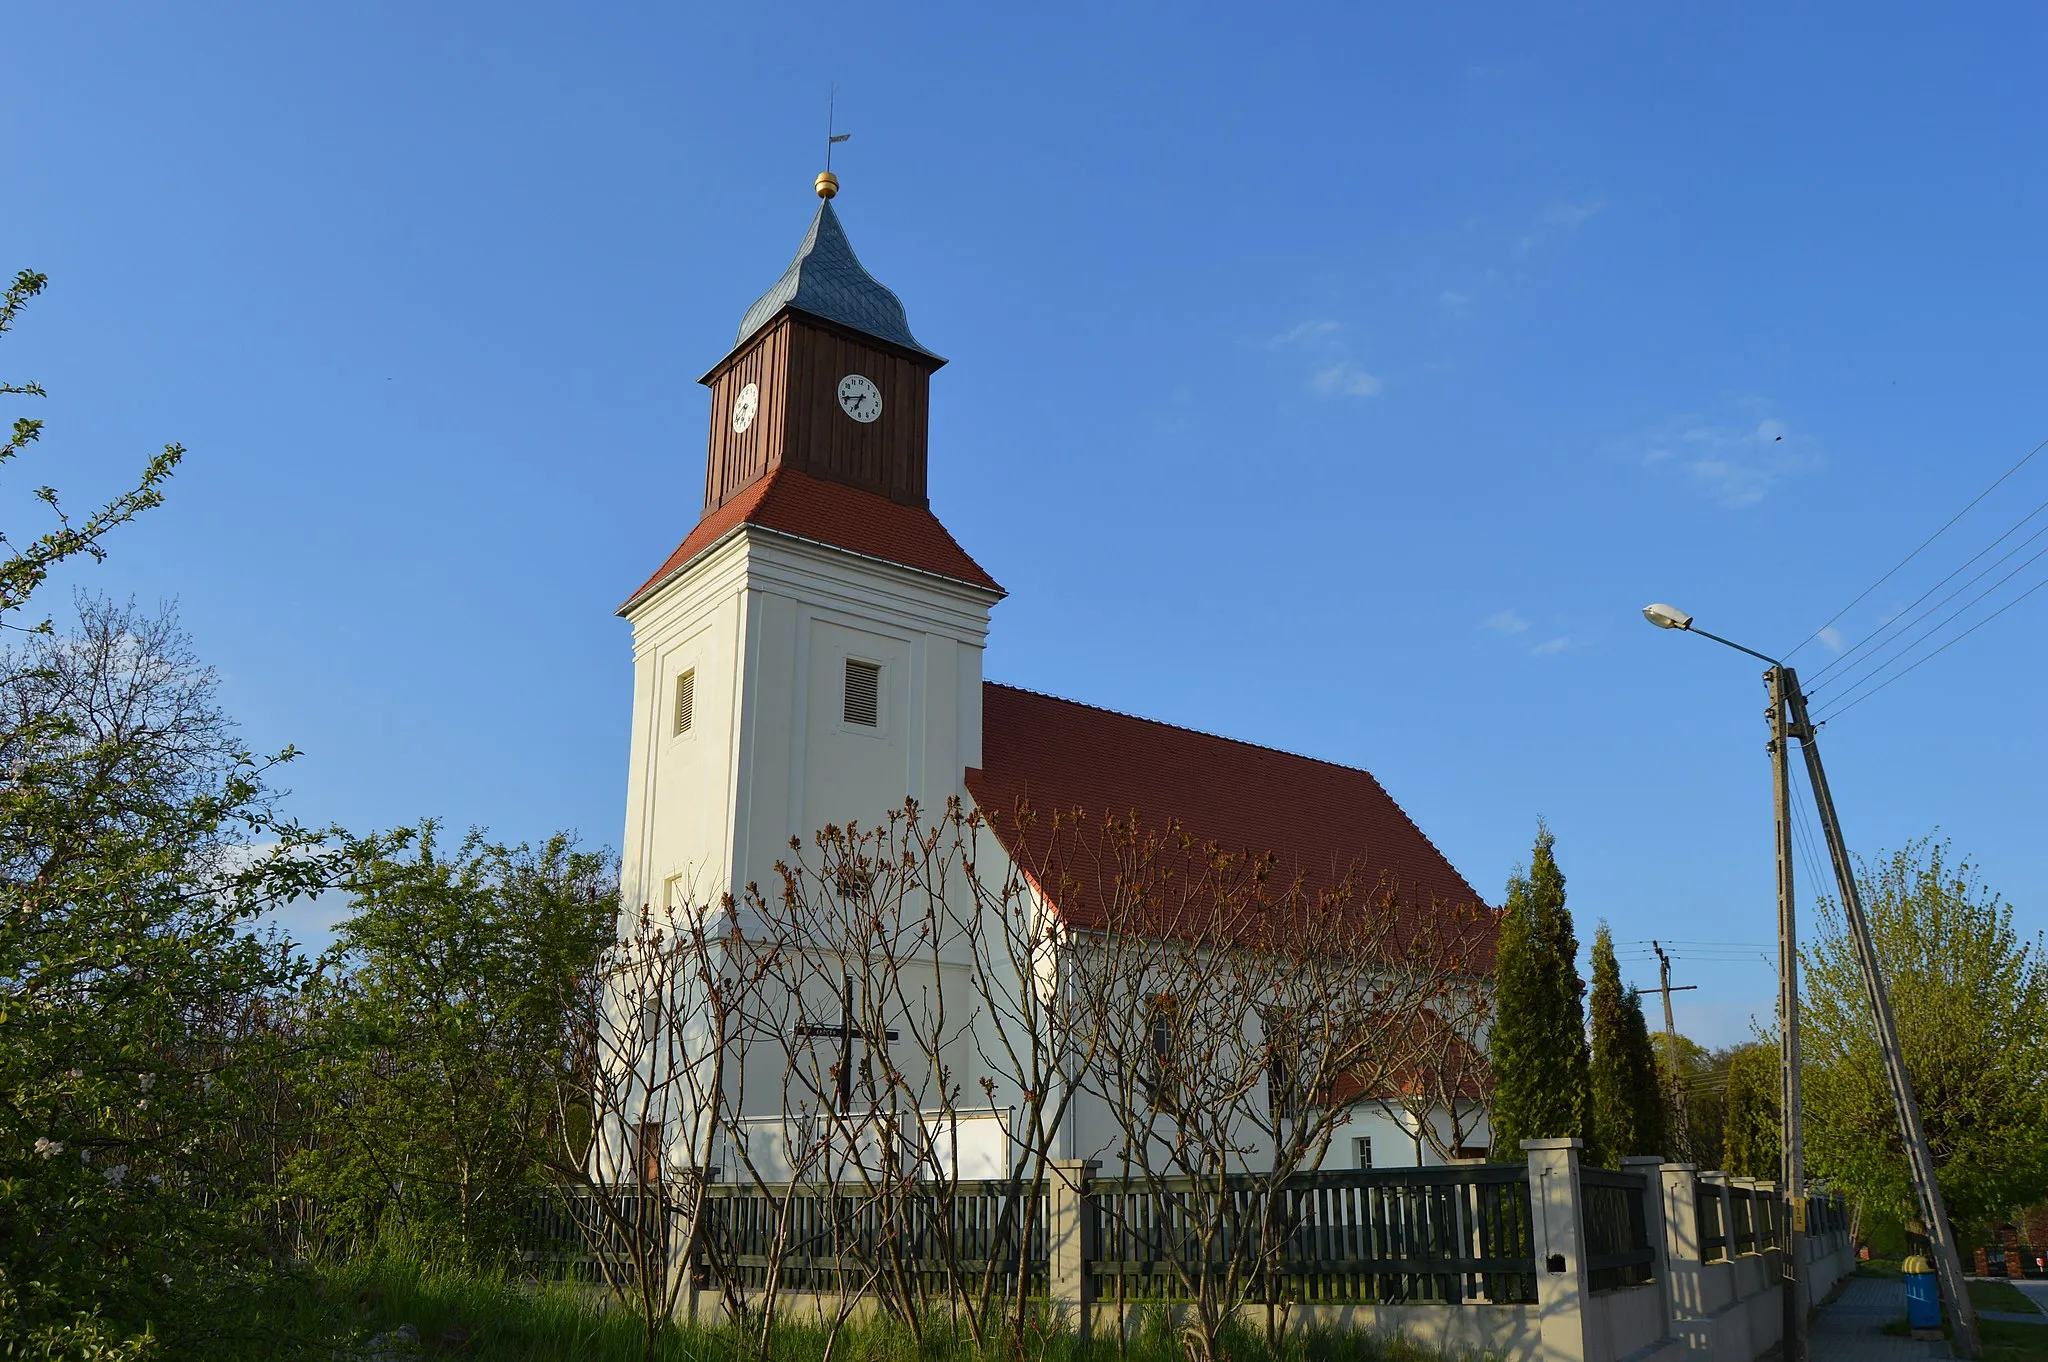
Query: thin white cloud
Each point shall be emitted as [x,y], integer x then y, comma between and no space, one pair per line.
[1505,622]
[1345,379]
[1316,329]
[1732,465]
[1564,216]
[1833,638]
[1509,624]
[1558,217]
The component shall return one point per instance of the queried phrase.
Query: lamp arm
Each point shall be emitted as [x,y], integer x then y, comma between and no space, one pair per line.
[1731,643]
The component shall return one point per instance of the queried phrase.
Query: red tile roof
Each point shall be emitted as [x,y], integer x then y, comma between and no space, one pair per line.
[1318,819]
[832,513]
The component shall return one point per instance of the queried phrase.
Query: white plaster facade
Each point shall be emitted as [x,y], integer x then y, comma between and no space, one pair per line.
[768,621]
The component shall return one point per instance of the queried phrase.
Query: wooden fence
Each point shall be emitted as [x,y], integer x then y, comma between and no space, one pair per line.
[906,1239]
[1388,1236]
[588,1236]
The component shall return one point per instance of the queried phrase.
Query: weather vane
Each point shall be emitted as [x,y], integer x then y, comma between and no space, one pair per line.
[827,183]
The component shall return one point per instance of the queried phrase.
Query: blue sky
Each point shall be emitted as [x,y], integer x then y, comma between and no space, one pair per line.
[1341,378]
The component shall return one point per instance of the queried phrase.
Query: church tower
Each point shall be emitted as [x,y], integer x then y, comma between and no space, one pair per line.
[811,652]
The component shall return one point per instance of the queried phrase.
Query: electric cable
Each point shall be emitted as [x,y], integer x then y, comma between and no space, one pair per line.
[1895,626]
[1996,483]
[1838,701]
[1844,708]
[1870,666]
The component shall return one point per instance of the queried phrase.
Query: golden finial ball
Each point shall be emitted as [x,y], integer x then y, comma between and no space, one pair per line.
[827,184]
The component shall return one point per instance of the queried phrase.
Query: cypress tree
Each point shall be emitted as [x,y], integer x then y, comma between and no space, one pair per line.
[1539,1032]
[1646,1082]
[1628,1105]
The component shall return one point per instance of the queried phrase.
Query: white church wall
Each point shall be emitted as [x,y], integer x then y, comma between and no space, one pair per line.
[770,621]
[681,789]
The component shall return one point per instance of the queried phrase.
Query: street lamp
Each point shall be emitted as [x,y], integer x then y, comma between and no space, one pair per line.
[1791,1134]
[1788,719]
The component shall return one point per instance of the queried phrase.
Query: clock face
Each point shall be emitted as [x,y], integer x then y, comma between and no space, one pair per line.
[743,408]
[860,398]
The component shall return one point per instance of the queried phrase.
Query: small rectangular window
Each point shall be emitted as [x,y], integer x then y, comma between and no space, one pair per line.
[863,693]
[686,701]
[1361,1151]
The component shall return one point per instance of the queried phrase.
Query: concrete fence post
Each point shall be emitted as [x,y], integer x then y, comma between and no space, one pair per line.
[1563,1289]
[1685,1294]
[1070,1240]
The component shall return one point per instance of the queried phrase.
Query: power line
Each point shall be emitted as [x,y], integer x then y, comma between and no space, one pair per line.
[1895,624]
[1842,709]
[1672,941]
[1841,699]
[1999,481]
[1809,837]
[1870,666]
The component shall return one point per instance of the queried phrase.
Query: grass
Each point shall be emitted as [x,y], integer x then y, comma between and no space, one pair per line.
[2004,1340]
[2002,1296]
[481,1317]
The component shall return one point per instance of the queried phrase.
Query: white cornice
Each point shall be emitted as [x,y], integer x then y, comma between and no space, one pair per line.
[968,589]
[754,558]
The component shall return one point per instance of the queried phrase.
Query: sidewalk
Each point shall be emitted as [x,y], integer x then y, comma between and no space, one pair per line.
[1850,1330]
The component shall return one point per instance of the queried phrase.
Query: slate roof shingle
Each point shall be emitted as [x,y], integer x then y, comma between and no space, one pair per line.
[827,280]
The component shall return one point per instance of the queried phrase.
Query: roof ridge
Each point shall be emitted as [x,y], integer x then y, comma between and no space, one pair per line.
[1183,728]
[1398,807]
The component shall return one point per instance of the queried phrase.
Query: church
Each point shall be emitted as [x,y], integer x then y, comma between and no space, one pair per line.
[811,654]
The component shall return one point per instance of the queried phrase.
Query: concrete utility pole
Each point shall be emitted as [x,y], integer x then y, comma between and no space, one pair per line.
[1679,1113]
[1791,1120]
[1788,720]
[1947,1262]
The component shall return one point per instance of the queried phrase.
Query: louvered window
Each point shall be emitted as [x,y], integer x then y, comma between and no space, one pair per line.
[686,701]
[863,693]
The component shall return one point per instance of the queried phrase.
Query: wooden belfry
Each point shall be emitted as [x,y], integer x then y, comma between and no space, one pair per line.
[780,398]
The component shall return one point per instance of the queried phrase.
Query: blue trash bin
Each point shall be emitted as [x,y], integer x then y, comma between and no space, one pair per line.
[1923,1296]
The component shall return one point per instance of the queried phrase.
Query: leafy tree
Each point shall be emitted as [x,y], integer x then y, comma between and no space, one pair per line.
[1628,1099]
[438,1023]
[1968,994]
[1750,1139]
[1539,1038]
[131,986]
[25,566]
